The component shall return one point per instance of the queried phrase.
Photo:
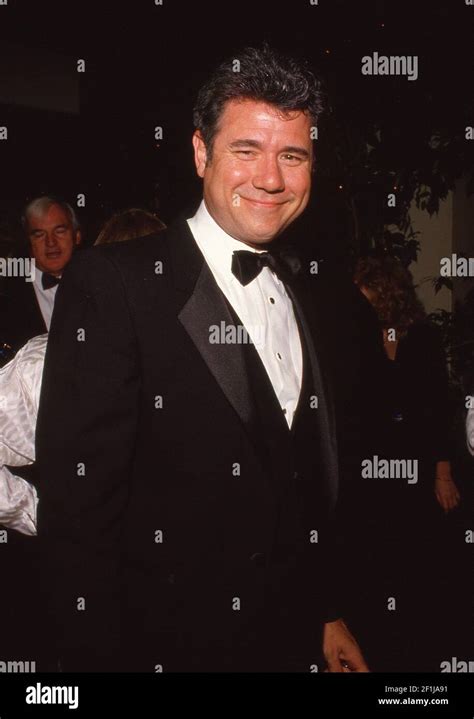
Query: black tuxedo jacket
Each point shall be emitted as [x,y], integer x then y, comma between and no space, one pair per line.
[158,511]
[20,314]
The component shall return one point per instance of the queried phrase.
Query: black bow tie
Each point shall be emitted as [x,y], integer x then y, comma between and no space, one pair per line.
[246,265]
[49,281]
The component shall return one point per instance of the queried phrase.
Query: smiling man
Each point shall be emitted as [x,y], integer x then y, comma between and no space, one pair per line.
[260,176]
[52,233]
[187,487]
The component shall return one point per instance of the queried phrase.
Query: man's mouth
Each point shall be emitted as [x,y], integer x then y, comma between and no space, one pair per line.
[263,203]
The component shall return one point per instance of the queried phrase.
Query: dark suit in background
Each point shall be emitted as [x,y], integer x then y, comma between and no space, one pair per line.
[20,314]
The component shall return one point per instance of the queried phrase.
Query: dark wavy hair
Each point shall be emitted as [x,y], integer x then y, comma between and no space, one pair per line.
[260,74]
[394,296]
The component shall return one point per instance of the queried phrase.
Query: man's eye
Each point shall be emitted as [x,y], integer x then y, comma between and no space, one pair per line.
[245,152]
[291,158]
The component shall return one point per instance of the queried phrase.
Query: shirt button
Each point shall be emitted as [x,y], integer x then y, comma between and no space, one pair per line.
[272,300]
[278,355]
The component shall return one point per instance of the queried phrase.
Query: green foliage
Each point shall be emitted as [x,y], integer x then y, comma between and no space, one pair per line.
[394,145]
[458,338]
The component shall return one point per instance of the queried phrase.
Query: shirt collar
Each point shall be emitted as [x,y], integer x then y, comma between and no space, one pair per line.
[38,276]
[215,244]
[38,281]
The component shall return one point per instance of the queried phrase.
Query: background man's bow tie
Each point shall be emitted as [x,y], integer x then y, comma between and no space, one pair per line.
[49,281]
[247,265]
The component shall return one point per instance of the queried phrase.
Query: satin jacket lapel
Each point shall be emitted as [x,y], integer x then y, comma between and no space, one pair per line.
[204,308]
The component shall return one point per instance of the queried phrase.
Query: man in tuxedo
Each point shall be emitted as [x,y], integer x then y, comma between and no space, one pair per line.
[52,233]
[186,439]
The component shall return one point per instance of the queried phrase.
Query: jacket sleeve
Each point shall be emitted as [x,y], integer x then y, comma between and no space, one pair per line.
[85,445]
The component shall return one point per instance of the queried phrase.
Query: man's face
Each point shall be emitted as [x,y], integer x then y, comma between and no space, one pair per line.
[52,239]
[259,178]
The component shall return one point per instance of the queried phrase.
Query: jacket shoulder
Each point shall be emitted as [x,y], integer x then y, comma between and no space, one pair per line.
[132,258]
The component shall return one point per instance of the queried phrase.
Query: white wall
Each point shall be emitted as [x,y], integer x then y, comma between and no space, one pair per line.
[436,241]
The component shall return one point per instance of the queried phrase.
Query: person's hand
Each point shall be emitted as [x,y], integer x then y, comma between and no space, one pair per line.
[341,650]
[446,491]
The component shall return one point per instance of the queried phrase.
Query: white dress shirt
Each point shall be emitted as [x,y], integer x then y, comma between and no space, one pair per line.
[470,430]
[20,385]
[263,306]
[45,297]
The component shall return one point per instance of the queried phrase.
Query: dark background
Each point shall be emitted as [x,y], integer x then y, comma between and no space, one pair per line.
[94,132]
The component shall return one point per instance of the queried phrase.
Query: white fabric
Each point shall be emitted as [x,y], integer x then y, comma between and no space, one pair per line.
[45,297]
[20,385]
[263,307]
[470,430]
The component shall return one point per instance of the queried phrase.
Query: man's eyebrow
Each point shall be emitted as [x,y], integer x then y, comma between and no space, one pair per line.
[246,143]
[296,150]
[37,230]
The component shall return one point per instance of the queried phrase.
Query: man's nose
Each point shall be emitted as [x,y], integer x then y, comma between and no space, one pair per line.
[51,239]
[268,176]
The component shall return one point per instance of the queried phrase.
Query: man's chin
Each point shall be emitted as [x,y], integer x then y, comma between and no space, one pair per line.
[54,269]
[262,236]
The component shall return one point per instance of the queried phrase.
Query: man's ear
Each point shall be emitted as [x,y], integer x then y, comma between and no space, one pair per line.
[200,153]
[78,238]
